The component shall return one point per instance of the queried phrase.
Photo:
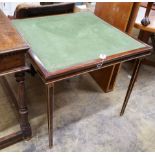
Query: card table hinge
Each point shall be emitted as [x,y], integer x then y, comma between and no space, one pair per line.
[102,57]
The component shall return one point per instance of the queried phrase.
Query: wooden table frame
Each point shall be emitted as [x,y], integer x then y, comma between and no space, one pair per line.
[21,107]
[50,78]
[19,103]
[12,61]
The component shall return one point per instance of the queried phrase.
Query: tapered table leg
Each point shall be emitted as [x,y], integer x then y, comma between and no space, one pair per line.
[132,82]
[23,111]
[50,107]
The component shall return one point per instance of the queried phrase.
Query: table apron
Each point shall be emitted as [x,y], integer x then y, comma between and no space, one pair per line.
[87,70]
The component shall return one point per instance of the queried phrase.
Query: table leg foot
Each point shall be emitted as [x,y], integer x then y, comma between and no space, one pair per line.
[50,107]
[23,111]
[132,82]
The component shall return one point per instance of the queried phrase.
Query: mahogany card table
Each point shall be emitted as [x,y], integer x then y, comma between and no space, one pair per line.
[64,46]
[12,61]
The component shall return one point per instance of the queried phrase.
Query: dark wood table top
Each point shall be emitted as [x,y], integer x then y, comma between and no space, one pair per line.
[10,40]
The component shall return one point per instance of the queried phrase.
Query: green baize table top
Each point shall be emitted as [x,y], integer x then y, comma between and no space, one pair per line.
[67,40]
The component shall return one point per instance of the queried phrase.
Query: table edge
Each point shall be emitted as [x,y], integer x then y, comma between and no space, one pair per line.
[120,57]
[22,47]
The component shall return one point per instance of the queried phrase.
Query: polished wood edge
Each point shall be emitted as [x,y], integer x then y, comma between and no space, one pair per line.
[15,50]
[10,139]
[140,26]
[17,69]
[88,70]
[89,65]
[36,63]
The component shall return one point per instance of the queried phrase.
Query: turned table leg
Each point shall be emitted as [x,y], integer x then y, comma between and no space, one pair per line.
[132,82]
[23,111]
[50,108]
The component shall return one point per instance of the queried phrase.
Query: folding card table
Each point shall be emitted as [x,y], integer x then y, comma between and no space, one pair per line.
[64,46]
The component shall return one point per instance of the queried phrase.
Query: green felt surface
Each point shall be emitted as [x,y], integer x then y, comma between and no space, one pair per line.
[66,40]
